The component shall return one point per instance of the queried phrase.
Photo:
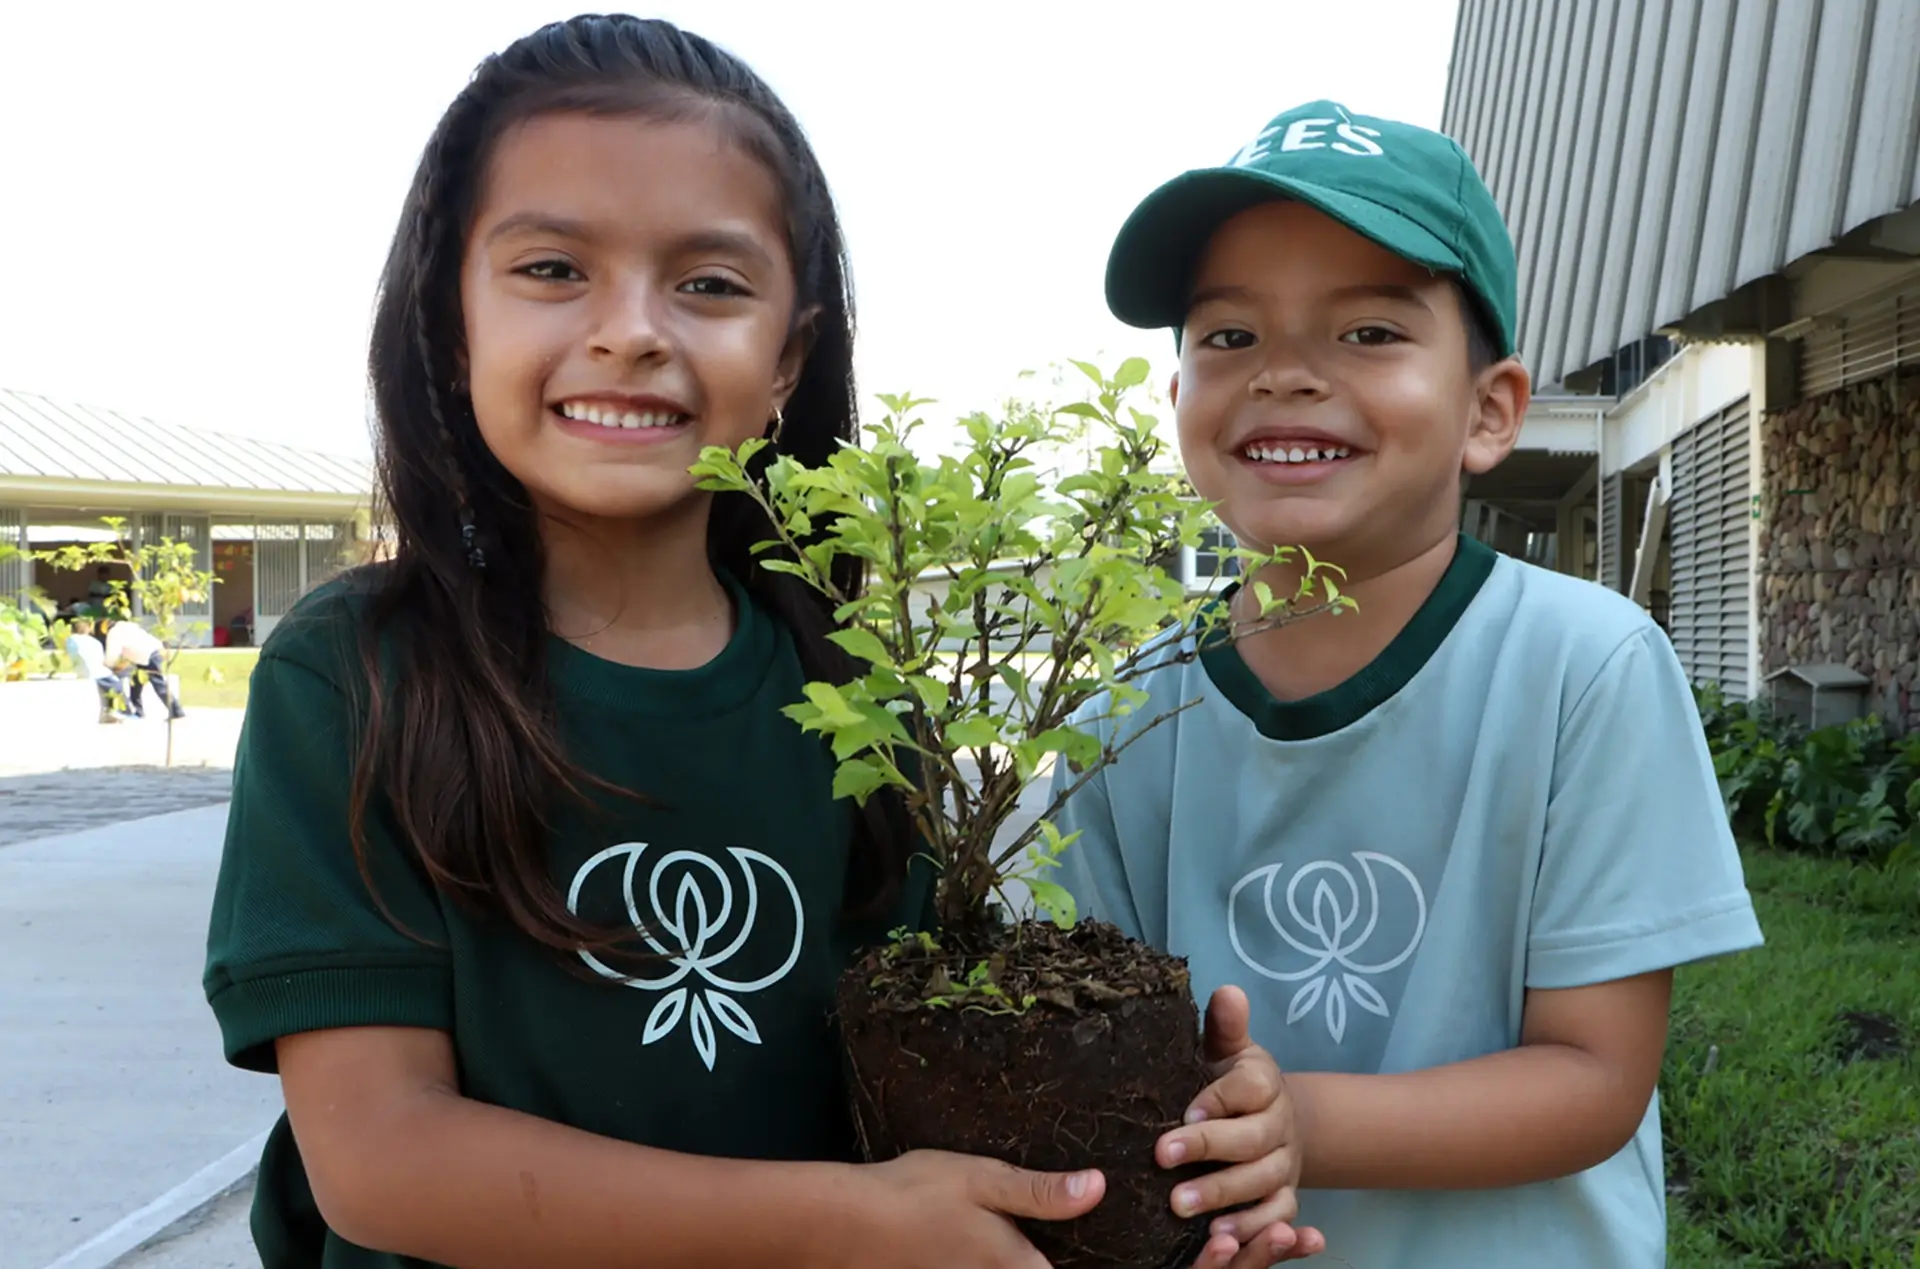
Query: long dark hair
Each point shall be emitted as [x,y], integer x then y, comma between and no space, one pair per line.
[461,738]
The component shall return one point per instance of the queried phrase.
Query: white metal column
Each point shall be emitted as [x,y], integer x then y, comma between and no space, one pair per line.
[16,571]
[279,570]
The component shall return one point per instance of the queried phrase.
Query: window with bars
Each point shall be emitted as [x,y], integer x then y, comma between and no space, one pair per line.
[1863,344]
[1211,558]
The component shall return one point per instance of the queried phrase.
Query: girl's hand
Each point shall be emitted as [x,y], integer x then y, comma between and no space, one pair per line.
[1244,1118]
[929,1209]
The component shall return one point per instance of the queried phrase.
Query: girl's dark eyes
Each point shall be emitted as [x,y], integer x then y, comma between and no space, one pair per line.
[552,271]
[565,271]
[715,285]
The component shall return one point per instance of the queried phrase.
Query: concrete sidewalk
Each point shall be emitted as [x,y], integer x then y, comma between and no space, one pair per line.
[53,725]
[60,803]
[112,1086]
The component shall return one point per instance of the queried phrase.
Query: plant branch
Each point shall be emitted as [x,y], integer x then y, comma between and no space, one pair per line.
[1107,759]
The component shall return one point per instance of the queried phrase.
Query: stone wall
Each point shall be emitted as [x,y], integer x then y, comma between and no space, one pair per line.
[1840,540]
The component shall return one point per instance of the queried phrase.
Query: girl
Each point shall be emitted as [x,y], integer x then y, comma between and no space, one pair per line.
[532,896]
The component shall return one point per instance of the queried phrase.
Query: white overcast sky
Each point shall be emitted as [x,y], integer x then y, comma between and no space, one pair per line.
[197,197]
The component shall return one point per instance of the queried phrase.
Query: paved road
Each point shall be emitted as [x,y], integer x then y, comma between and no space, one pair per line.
[217,1238]
[52,803]
[112,1086]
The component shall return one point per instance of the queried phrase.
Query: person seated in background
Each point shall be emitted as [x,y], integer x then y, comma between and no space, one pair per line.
[132,648]
[90,658]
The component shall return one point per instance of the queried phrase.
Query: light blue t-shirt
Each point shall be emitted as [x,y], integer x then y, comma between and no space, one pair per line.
[88,654]
[1517,794]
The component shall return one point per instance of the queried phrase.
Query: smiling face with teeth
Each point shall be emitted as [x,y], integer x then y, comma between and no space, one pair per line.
[1326,396]
[628,298]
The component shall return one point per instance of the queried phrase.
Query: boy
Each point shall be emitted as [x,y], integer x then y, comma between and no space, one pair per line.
[133,650]
[91,660]
[1451,843]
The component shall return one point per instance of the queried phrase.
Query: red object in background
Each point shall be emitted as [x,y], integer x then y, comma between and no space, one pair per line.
[221,636]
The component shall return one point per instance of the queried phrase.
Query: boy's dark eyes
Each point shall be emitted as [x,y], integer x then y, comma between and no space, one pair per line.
[1229,340]
[1365,336]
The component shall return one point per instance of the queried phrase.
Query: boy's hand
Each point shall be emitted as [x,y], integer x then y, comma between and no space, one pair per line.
[1244,1118]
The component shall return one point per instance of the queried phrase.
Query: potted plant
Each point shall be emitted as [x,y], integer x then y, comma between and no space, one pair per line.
[1001,598]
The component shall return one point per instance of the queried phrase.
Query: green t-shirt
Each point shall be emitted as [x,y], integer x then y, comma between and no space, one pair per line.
[723,1046]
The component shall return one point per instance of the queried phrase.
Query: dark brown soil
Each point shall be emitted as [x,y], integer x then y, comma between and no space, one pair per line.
[1870,1037]
[1070,1049]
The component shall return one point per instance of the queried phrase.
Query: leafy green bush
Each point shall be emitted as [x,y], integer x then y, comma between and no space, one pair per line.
[30,640]
[1850,790]
[23,642]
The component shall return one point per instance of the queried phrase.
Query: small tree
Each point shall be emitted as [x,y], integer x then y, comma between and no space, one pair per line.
[1054,596]
[31,638]
[166,580]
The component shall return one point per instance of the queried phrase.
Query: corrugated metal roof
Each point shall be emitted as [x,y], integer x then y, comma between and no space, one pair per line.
[41,437]
[1654,156]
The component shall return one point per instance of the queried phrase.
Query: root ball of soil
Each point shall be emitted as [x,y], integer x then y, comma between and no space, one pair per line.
[1055,1050]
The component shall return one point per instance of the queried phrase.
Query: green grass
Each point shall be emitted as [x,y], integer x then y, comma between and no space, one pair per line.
[215,678]
[1788,1150]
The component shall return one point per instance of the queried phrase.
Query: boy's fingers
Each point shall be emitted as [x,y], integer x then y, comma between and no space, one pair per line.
[1249,1086]
[1245,1227]
[1240,1139]
[1233,1187]
[1229,1018]
[1217,1254]
[1311,1243]
[1278,1243]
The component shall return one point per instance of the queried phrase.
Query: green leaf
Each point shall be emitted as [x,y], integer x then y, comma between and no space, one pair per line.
[1132,373]
[857,778]
[1054,843]
[863,644]
[881,727]
[972,733]
[1080,748]
[1054,900]
[933,693]
[834,710]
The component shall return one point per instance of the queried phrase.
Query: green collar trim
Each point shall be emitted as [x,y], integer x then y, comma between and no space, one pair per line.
[727,682]
[1347,703]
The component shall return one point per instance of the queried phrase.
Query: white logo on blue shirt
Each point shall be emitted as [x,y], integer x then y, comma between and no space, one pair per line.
[1329,934]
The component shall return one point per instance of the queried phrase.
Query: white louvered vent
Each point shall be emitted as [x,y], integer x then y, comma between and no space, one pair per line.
[1863,344]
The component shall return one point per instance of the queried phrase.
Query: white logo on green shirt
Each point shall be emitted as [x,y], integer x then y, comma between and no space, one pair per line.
[701,913]
[1328,931]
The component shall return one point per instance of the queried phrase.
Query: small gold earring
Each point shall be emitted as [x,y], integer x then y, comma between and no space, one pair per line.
[779,421]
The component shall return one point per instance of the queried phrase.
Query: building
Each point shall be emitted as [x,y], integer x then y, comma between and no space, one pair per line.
[270,521]
[1716,205]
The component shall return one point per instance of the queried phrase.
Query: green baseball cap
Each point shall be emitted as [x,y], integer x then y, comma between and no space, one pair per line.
[1412,190]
